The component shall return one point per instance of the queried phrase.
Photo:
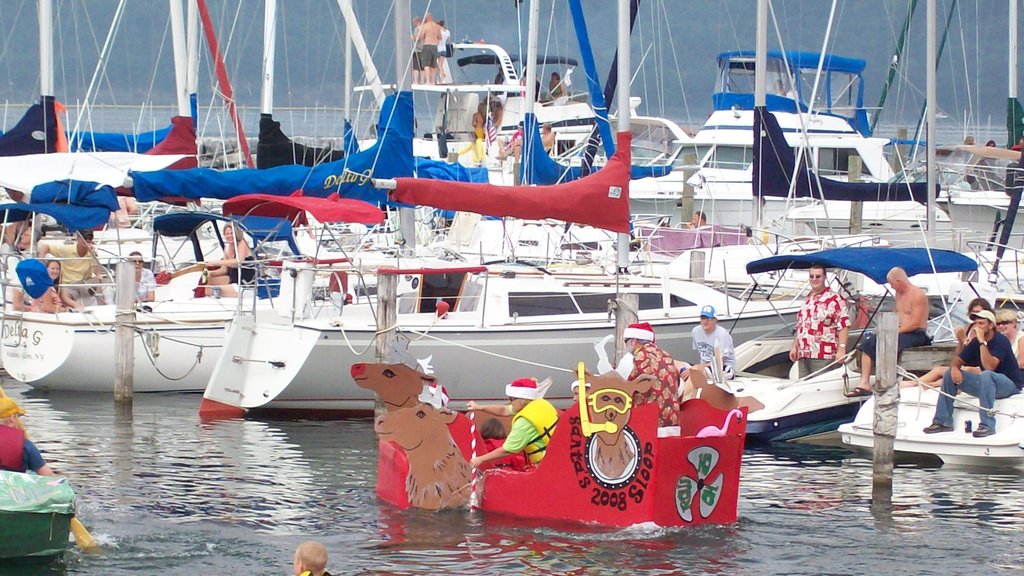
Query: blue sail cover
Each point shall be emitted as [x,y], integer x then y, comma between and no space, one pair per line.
[118,142]
[441,170]
[389,157]
[773,172]
[74,218]
[597,101]
[35,133]
[873,262]
[540,169]
[77,193]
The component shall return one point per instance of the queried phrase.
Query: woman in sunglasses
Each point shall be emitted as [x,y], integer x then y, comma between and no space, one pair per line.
[1006,324]
[964,334]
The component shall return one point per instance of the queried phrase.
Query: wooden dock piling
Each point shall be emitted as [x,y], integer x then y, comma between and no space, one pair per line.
[887,397]
[124,335]
[625,314]
[387,318]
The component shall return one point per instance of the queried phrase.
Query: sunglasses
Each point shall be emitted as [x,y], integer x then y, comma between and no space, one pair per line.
[1004,323]
[815,276]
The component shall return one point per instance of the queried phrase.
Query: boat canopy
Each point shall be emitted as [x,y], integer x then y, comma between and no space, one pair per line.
[294,208]
[600,199]
[873,262]
[774,170]
[259,228]
[790,81]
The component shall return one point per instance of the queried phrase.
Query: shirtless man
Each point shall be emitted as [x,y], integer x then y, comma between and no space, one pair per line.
[912,307]
[417,51]
[429,35]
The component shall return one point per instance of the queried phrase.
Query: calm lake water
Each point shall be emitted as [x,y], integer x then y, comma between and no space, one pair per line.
[165,494]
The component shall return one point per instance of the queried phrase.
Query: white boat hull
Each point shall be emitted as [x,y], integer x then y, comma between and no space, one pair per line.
[916,410]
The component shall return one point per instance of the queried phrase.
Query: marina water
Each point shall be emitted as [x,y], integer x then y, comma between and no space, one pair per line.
[163,493]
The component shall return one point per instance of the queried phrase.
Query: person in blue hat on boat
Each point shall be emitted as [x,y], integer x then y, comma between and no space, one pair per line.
[709,335]
[17,452]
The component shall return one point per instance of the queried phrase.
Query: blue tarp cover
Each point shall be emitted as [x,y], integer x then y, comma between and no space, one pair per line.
[802,60]
[390,157]
[875,263]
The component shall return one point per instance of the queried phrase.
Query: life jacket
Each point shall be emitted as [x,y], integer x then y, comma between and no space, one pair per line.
[543,416]
[12,446]
[515,461]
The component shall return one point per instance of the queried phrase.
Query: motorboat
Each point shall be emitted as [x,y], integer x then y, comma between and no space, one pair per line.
[915,411]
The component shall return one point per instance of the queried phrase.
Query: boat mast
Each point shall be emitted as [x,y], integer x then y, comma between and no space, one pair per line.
[269,39]
[192,76]
[623,122]
[530,86]
[180,49]
[46,47]
[348,73]
[1014,113]
[930,138]
[403,83]
[760,81]
[369,70]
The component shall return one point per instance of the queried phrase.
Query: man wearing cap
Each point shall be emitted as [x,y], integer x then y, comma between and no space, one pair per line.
[18,453]
[708,335]
[649,359]
[533,422]
[822,326]
[986,368]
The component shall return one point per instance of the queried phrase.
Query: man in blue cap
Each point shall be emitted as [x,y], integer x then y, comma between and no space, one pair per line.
[708,335]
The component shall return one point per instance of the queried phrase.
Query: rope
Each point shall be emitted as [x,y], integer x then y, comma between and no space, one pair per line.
[957,398]
[474,502]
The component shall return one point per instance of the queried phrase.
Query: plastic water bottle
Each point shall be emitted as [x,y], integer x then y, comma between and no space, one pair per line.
[968,427]
[216,292]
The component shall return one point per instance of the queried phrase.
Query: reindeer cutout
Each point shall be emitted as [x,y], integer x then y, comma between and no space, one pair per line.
[397,385]
[439,474]
[613,449]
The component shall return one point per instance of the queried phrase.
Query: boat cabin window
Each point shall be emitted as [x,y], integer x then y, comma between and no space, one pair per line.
[431,289]
[731,157]
[547,303]
[836,161]
[837,91]
[652,144]
[697,151]
[737,77]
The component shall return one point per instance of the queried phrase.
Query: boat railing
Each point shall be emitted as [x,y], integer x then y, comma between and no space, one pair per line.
[1008,271]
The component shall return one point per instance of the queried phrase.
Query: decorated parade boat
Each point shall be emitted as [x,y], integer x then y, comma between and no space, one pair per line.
[35,515]
[607,462]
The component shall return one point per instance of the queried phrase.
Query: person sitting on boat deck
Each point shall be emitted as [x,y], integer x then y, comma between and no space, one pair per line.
[310,559]
[1006,324]
[547,139]
[698,220]
[514,146]
[649,359]
[145,280]
[78,268]
[985,368]
[51,302]
[126,208]
[225,272]
[17,452]
[533,422]
[912,307]
[556,89]
[964,334]
[494,435]
[705,337]
[822,325]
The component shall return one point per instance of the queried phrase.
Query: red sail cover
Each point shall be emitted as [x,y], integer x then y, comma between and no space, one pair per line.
[600,200]
[330,209]
[180,140]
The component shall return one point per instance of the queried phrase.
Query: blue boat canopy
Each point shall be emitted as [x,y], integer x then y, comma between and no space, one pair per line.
[260,228]
[875,263]
[802,60]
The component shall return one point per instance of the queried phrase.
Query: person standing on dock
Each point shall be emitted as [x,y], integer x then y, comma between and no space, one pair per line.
[986,368]
[17,452]
[912,307]
[822,325]
[649,359]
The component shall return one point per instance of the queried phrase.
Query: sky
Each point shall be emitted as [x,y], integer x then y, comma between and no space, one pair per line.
[674,46]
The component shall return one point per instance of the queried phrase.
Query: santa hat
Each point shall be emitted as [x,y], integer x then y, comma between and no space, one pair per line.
[435,395]
[525,388]
[640,331]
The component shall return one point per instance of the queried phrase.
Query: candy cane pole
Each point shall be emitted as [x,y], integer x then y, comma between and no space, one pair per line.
[473,501]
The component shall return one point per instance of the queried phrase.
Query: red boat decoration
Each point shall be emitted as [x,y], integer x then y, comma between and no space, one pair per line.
[606,462]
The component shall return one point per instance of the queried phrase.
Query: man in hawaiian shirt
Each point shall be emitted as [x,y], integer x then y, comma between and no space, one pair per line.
[649,359]
[822,326]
